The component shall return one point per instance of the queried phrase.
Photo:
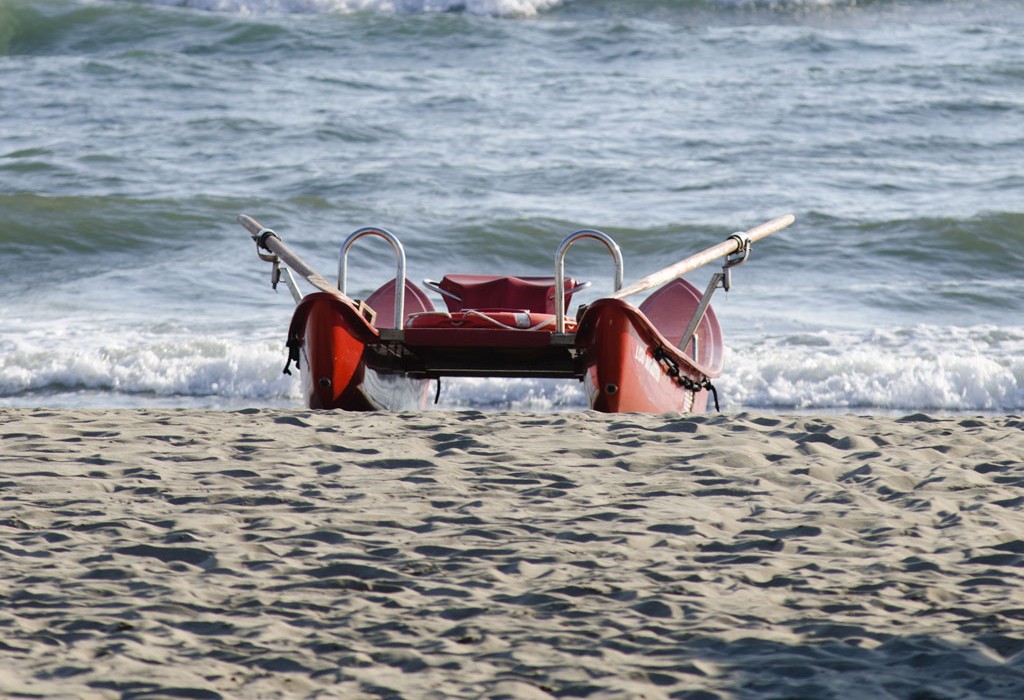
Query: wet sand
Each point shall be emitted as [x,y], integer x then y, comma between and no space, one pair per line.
[266,554]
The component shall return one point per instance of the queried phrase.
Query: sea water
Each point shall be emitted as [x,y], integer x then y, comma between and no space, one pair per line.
[132,133]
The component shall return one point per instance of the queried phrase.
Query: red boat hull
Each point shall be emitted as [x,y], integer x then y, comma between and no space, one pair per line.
[630,367]
[332,339]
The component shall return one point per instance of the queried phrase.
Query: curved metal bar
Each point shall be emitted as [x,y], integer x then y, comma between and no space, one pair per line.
[613,248]
[436,287]
[578,287]
[396,245]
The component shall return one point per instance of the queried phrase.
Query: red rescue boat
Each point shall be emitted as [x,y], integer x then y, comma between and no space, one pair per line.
[385,351]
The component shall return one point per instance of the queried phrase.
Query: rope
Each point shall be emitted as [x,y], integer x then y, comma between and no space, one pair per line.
[491,320]
[499,324]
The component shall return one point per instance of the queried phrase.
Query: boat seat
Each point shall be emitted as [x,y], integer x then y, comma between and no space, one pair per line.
[535,294]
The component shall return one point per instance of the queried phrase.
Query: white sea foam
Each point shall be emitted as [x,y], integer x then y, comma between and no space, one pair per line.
[540,395]
[899,369]
[191,370]
[499,8]
[918,368]
[924,367]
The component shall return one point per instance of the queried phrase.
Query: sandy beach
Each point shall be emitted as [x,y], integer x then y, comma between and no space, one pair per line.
[278,554]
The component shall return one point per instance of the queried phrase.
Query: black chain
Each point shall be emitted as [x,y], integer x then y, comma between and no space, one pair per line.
[671,368]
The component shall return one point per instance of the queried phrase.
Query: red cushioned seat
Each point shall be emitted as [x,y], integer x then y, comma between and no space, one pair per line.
[536,294]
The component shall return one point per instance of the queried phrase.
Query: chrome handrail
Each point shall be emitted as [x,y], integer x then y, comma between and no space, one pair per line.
[396,245]
[613,248]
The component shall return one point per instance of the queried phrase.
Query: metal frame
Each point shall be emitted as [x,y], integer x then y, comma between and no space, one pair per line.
[563,247]
[436,287]
[396,245]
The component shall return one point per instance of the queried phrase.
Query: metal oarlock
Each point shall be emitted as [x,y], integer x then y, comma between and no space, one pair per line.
[742,249]
[721,279]
[268,240]
[260,238]
[276,269]
[733,259]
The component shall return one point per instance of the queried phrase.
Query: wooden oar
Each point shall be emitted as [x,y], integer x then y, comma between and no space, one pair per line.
[265,238]
[691,263]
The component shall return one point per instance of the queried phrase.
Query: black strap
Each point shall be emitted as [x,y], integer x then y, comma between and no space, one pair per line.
[714,392]
[293,354]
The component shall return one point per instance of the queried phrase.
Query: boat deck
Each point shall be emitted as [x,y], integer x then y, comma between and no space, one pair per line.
[432,353]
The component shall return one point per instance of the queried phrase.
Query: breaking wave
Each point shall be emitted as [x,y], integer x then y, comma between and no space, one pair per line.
[923,368]
[500,8]
[494,8]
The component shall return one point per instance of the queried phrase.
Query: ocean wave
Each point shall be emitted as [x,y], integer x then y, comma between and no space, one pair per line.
[926,368]
[491,8]
[908,368]
[500,8]
[992,241]
[36,224]
[196,370]
[917,264]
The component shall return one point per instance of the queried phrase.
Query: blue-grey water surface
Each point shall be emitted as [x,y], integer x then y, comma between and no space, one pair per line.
[132,133]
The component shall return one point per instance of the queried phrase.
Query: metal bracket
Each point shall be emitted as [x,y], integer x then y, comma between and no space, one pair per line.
[293,287]
[718,279]
[275,273]
[366,312]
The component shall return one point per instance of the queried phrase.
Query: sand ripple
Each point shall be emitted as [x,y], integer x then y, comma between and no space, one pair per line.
[191,554]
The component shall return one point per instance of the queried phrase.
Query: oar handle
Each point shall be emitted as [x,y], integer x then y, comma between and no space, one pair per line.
[254,227]
[268,239]
[726,247]
[769,227]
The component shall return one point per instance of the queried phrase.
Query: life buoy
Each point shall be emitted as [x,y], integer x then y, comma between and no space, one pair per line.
[503,319]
